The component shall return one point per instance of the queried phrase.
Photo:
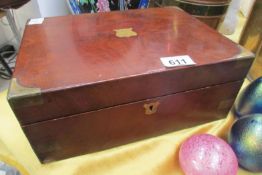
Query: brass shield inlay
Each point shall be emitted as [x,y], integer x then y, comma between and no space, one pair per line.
[125,33]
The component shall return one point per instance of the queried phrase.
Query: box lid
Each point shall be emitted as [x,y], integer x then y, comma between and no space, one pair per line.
[74,64]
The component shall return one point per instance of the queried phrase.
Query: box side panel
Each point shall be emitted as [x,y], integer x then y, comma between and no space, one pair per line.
[107,128]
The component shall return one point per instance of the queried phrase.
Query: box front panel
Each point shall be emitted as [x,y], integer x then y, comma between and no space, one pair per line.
[68,102]
[106,128]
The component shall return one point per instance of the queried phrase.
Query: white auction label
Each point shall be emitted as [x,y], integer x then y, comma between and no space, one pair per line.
[183,60]
[36,21]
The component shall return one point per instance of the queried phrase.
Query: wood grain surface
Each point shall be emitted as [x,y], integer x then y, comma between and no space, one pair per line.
[99,130]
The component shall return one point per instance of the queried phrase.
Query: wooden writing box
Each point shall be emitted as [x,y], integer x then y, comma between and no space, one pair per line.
[91,82]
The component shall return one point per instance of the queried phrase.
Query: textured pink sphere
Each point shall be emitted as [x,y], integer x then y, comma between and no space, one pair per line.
[206,154]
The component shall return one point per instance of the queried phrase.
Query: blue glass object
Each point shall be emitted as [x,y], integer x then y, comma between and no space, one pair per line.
[143,4]
[250,100]
[74,7]
[245,139]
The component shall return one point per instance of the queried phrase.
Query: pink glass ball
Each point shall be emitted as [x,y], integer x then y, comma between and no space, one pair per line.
[206,154]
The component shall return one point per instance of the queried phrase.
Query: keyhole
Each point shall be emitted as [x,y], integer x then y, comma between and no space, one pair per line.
[151,107]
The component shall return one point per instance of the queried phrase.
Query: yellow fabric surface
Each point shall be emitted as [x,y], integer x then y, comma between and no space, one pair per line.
[156,156]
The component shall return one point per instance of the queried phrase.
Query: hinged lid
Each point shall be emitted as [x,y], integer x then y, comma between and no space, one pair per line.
[75,64]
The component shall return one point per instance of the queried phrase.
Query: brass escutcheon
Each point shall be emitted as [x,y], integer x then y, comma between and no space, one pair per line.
[151,108]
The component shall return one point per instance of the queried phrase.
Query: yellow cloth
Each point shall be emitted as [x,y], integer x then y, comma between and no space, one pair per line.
[156,156]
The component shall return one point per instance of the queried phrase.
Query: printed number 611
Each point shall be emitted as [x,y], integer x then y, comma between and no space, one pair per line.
[183,60]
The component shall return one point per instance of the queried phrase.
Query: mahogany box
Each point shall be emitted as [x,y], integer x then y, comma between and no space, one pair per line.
[91,82]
